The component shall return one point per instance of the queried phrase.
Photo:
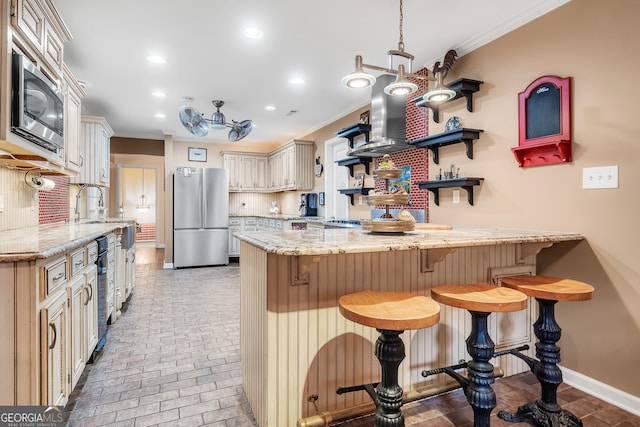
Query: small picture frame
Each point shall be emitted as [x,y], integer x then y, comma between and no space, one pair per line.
[364,118]
[359,180]
[197,154]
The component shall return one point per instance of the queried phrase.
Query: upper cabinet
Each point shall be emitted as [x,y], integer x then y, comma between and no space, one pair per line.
[95,138]
[289,167]
[72,122]
[247,171]
[39,27]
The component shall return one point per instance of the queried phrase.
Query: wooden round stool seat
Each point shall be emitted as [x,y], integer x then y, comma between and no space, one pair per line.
[550,288]
[394,311]
[480,297]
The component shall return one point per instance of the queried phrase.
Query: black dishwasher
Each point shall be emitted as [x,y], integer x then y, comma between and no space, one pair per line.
[101,263]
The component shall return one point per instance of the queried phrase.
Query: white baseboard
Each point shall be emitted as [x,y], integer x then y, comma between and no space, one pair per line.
[160,246]
[619,398]
[167,266]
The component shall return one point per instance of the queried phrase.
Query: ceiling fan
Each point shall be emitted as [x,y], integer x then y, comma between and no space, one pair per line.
[197,125]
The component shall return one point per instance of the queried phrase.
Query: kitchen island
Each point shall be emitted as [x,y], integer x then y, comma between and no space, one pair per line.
[296,348]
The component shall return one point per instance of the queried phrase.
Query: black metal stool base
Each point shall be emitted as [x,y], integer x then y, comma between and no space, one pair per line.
[545,411]
[386,394]
[541,417]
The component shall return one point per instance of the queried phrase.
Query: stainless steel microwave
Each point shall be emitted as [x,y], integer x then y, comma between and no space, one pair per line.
[37,105]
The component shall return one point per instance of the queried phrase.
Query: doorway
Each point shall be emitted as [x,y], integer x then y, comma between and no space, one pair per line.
[337,177]
[137,197]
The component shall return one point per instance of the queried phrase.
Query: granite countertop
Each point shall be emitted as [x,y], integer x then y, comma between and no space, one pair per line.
[335,241]
[44,241]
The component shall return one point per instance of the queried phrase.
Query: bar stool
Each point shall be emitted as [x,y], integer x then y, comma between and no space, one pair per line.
[391,313]
[547,291]
[480,300]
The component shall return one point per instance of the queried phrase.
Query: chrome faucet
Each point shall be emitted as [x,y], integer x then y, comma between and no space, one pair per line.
[100,200]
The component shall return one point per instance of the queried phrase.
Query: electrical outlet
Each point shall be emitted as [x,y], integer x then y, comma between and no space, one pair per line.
[360,200]
[456,196]
[600,177]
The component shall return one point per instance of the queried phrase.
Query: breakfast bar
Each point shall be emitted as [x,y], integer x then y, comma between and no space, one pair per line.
[296,348]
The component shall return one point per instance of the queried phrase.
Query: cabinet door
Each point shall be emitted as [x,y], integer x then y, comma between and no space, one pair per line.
[30,21]
[275,168]
[289,168]
[72,114]
[105,149]
[247,173]
[234,242]
[261,172]
[53,351]
[131,271]
[90,310]
[76,292]
[232,165]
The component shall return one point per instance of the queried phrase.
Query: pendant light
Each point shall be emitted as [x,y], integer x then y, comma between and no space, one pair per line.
[402,85]
[143,202]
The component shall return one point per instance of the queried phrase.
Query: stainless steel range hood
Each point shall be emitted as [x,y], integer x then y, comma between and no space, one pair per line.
[388,122]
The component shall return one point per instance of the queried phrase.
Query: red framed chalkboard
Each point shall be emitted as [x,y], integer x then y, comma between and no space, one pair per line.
[544,122]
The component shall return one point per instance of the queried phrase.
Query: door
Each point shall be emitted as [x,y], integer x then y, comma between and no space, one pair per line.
[216,198]
[187,198]
[337,177]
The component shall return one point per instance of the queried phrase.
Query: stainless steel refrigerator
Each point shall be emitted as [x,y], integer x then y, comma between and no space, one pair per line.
[200,217]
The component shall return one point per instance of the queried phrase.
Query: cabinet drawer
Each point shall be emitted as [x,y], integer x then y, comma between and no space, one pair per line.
[55,276]
[234,221]
[92,253]
[111,240]
[250,221]
[250,229]
[76,261]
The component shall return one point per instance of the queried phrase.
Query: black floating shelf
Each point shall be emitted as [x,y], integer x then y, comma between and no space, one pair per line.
[435,186]
[463,88]
[351,191]
[352,131]
[434,142]
[350,162]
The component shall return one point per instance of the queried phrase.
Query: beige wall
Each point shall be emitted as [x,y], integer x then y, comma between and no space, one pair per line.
[595,43]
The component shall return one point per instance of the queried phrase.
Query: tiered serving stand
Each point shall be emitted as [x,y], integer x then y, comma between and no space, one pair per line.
[387,224]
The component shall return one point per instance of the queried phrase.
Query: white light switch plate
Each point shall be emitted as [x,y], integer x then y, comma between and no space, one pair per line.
[600,177]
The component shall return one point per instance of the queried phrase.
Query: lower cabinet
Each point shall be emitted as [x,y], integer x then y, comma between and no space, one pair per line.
[239,224]
[76,291]
[53,350]
[90,309]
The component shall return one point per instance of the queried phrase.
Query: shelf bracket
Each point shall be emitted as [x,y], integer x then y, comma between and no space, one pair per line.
[300,269]
[524,250]
[436,195]
[430,257]
[469,189]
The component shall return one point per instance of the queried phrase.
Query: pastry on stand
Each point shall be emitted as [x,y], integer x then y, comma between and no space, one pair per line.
[388,223]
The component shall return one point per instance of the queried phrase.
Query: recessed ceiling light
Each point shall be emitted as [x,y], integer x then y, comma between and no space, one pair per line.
[253,33]
[270,108]
[156,59]
[160,116]
[159,94]
[297,81]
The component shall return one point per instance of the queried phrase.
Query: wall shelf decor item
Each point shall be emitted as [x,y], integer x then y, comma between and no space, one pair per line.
[544,122]
[434,142]
[462,87]
[197,154]
[466,183]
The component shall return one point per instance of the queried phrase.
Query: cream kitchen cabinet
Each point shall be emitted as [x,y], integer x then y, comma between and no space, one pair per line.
[124,272]
[247,172]
[54,367]
[94,152]
[292,166]
[38,26]
[72,117]
[239,224]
